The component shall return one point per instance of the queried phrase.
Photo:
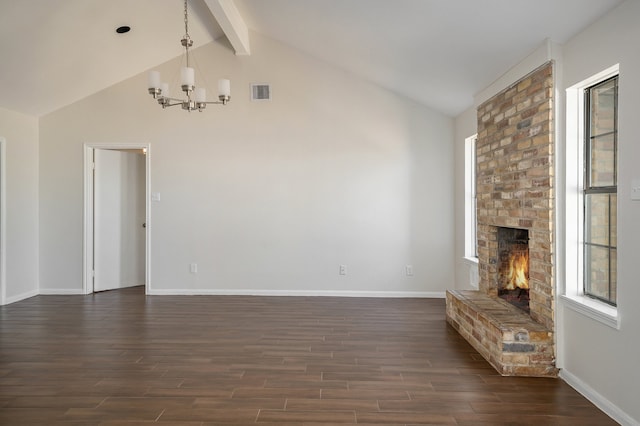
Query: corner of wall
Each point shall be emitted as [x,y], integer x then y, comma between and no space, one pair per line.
[21,190]
[543,53]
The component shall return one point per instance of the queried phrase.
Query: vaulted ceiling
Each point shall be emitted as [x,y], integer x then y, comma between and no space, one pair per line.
[437,52]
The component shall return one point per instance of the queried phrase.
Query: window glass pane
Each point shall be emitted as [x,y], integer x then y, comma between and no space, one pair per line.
[596,219]
[597,271]
[613,273]
[603,164]
[603,108]
[474,201]
[474,227]
[613,220]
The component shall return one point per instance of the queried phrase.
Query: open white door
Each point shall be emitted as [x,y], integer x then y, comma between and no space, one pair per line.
[119,211]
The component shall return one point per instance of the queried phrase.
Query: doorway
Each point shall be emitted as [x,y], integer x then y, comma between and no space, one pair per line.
[117,235]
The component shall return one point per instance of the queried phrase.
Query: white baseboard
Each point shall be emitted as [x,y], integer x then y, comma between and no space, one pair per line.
[60,291]
[19,297]
[337,293]
[598,400]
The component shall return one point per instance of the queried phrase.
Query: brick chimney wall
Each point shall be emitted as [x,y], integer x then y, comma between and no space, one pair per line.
[515,183]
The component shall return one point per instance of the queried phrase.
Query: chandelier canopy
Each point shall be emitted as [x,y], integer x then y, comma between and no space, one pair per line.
[196,98]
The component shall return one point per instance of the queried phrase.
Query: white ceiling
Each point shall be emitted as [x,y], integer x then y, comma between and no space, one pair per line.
[437,52]
[55,52]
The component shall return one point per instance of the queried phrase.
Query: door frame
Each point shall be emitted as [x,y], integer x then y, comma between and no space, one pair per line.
[3,222]
[87,258]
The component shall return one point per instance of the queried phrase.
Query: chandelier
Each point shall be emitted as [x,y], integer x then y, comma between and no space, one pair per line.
[196,98]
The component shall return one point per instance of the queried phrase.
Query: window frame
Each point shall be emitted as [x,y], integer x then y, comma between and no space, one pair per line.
[573,295]
[590,188]
[470,200]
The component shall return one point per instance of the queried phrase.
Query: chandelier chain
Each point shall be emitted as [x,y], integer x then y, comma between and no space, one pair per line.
[186,41]
[186,20]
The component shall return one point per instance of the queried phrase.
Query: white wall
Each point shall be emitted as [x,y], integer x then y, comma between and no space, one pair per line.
[604,360]
[267,196]
[21,134]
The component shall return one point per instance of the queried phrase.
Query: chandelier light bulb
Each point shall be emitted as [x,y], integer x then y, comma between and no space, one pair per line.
[188,77]
[154,80]
[224,87]
[201,95]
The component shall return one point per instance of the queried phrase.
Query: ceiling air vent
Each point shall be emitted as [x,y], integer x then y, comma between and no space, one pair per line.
[260,92]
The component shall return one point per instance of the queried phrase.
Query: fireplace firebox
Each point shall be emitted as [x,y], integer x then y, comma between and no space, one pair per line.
[513,266]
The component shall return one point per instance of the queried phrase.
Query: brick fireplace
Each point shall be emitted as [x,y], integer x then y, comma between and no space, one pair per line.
[515,153]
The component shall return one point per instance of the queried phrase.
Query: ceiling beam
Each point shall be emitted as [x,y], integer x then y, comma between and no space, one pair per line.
[231,22]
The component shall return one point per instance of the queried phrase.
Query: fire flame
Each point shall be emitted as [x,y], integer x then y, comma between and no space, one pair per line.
[518,274]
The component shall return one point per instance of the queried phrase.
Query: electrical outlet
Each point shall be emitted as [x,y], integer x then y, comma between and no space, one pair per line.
[409,270]
[343,269]
[193,268]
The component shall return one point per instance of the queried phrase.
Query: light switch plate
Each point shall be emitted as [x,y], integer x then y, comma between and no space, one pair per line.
[343,270]
[408,269]
[155,196]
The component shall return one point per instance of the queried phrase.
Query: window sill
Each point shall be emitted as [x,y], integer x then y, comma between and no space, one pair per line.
[470,260]
[598,311]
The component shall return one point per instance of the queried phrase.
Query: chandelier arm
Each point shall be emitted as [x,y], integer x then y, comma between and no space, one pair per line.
[167,105]
[174,99]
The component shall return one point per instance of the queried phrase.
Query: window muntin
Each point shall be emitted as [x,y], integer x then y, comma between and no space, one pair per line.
[600,190]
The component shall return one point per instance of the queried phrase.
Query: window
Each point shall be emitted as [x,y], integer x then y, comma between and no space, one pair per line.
[590,215]
[470,228]
[600,190]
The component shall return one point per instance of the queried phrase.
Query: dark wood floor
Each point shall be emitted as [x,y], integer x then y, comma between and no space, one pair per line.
[120,358]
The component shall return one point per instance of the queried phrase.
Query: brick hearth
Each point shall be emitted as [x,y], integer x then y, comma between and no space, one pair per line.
[507,337]
[515,152]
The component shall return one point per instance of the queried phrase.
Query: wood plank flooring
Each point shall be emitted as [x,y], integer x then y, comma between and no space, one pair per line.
[121,358]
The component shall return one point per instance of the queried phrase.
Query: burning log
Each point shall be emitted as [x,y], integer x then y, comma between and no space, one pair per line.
[517,275]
